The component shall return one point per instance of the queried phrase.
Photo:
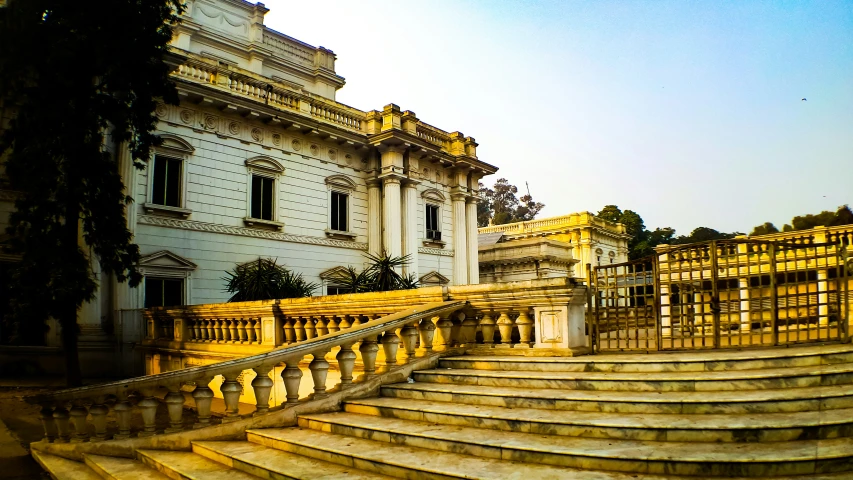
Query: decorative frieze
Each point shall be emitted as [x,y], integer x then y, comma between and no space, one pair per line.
[247,232]
[435,251]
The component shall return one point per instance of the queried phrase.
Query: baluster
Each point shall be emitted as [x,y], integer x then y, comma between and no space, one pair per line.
[505,327]
[241,330]
[148,405]
[319,369]
[262,384]
[258,330]
[289,332]
[345,323]
[48,422]
[444,326]
[310,329]
[250,330]
[368,350]
[525,327]
[226,331]
[217,331]
[409,336]
[291,376]
[390,344]
[191,330]
[299,328]
[346,362]
[60,417]
[78,415]
[468,329]
[322,330]
[122,409]
[99,412]
[202,326]
[234,328]
[211,330]
[203,396]
[487,326]
[332,325]
[175,406]
[426,329]
[231,391]
[456,330]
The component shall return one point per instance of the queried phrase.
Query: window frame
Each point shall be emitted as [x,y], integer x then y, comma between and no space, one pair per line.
[164,278]
[172,147]
[342,185]
[268,168]
[434,198]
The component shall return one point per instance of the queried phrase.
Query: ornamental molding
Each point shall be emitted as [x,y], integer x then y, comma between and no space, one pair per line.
[435,251]
[247,232]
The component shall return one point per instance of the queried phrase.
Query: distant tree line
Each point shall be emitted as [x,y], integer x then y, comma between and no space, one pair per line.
[643,241]
[499,205]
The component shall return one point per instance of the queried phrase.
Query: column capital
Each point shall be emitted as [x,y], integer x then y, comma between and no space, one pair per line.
[391,179]
[472,199]
[373,182]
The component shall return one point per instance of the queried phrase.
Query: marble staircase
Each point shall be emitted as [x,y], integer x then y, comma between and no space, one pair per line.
[769,413]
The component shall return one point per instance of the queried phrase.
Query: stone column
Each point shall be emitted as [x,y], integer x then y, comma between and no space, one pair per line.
[460,242]
[410,227]
[391,217]
[374,217]
[471,234]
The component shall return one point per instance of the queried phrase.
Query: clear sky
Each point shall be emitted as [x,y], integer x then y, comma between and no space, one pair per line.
[688,112]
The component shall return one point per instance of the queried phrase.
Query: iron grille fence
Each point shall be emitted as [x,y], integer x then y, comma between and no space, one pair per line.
[722,294]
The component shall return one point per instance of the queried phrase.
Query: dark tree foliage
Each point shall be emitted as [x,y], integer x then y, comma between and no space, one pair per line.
[499,205]
[381,275]
[264,279]
[703,234]
[764,229]
[77,80]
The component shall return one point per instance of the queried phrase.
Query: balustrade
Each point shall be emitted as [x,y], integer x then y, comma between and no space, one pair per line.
[347,330]
[65,415]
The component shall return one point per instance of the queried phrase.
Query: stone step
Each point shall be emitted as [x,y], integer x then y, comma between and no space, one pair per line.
[806,457]
[181,465]
[267,462]
[706,361]
[760,427]
[736,401]
[119,468]
[63,469]
[771,378]
[402,461]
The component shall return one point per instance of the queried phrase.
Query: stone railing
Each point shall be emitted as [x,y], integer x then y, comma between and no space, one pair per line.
[73,407]
[842,235]
[571,220]
[342,116]
[531,314]
[433,135]
[293,49]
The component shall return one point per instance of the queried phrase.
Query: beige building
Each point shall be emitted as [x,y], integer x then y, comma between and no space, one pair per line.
[259,159]
[550,247]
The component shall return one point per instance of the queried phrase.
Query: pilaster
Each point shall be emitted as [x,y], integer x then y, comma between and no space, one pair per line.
[391,216]
[410,226]
[374,217]
[471,234]
[460,242]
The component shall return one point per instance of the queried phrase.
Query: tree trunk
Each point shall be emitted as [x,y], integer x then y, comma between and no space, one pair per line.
[68,321]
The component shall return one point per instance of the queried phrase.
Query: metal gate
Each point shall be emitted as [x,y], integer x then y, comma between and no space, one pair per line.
[721,294]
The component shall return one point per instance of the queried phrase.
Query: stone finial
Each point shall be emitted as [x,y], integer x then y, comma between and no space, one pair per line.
[457,143]
[471,147]
[410,122]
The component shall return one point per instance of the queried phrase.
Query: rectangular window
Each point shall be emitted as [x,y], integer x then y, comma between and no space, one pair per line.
[432,223]
[164,292]
[262,197]
[167,181]
[339,211]
[333,290]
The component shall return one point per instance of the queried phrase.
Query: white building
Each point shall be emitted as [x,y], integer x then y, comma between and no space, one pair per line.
[259,160]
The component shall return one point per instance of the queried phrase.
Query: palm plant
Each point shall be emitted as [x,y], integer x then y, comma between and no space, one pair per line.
[264,279]
[380,276]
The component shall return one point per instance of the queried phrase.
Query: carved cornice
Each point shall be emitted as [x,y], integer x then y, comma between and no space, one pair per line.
[247,232]
[435,251]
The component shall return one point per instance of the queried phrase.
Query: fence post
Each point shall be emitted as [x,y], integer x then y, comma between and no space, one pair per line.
[715,294]
[774,295]
[658,302]
[589,307]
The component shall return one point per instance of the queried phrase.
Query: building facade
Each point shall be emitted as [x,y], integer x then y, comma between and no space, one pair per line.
[260,160]
[550,247]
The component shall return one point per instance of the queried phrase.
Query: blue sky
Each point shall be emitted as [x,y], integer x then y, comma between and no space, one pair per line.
[687,112]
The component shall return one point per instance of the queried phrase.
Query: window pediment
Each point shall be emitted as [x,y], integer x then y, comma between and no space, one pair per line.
[263,164]
[332,273]
[340,181]
[434,278]
[434,195]
[166,260]
[174,144]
